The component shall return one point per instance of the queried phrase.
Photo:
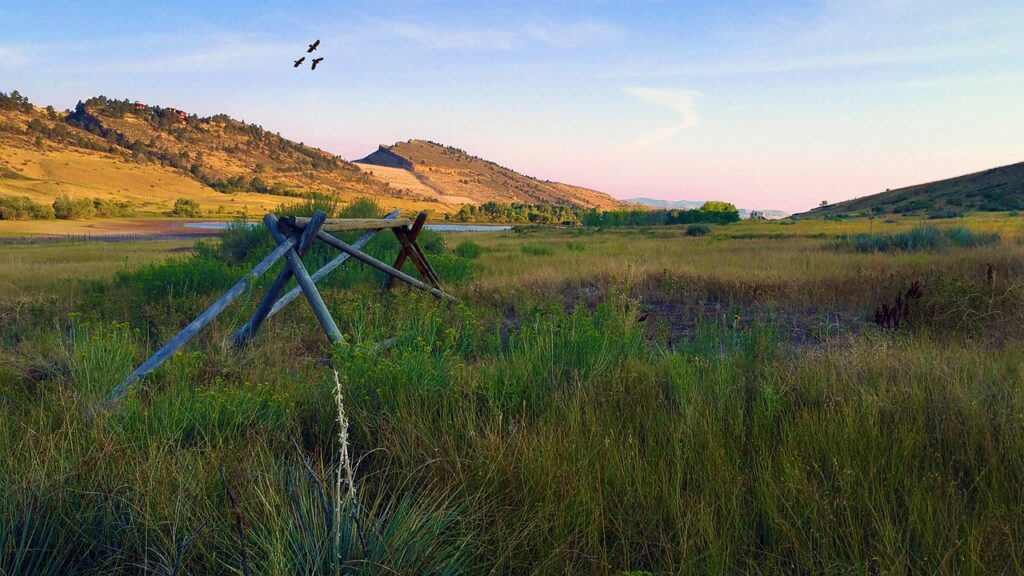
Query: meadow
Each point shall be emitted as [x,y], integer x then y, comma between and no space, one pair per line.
[619,401]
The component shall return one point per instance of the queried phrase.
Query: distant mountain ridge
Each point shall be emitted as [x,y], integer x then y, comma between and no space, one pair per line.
[994,190]
[692,204]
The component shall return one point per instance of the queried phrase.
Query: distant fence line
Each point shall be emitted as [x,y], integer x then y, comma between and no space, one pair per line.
[89,238]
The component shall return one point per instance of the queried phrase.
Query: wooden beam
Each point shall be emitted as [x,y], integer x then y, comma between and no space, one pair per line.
[414,233]
[370,260]
[331,266]
[426,273]
[350,224]
[263,310]
[316,302]
[194,327]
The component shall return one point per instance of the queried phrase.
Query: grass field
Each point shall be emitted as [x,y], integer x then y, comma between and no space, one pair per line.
[623,401]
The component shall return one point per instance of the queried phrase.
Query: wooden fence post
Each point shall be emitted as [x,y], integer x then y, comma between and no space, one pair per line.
[329,267]
[316,302]
[263,310]
[414,233]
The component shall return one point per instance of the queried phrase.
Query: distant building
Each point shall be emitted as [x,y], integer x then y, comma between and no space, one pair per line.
[757,215]
[139,106]
[182,115]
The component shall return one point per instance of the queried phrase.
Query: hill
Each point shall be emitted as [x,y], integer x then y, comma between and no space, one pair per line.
[996,190]
[148,156]
[453,176]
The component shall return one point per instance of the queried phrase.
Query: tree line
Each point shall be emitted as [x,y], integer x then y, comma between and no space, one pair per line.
[714,212]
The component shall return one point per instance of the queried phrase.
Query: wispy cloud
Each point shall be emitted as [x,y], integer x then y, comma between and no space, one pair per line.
[12,56]
[152,54]
[493,38]
[680,101]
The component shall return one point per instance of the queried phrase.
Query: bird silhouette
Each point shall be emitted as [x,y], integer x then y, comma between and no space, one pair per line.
[299,62]
[316,61]
[313,46]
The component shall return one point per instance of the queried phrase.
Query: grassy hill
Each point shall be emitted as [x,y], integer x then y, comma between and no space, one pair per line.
[996,190]
[149,156]
[453,176]
[145,157]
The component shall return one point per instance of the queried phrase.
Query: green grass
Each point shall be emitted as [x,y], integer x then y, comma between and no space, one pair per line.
[601,403]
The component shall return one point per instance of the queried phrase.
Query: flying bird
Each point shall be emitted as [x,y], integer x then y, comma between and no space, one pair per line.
[299,62]
[316,61]
[313,46]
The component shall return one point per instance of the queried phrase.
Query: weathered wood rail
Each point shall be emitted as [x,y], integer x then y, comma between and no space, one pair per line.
[294,237]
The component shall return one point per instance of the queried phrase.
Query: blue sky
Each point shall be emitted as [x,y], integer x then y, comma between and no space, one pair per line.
[766,104]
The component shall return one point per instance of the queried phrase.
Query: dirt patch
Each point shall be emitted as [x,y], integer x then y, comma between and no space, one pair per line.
[674,312]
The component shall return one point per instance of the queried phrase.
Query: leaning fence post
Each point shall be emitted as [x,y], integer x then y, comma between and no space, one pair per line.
[263,310]
[331,266]
[194,327]
[414,233]
[316,302]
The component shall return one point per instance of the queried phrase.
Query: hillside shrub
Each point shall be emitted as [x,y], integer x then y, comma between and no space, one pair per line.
[965,238]
[942,214]
[698,230]
[23,208]
[67,208]
[186,208]
[113,208]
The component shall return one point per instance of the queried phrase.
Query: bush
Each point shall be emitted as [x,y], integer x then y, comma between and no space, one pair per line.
[113,208]
[698,230]
[942,214]
[23,208]
[468,249]
[918,238]
[186,208]
[313,201]
[67,208]
[362,208]
[964,238]
[432,242]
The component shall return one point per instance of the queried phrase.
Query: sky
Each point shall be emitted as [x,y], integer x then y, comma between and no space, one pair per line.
[769,105]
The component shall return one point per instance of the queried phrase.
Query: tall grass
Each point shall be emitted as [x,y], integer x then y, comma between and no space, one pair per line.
[538,429]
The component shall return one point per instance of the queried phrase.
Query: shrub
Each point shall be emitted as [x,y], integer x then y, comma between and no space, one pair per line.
[67,208]
[698,230]
[23,208]
[965,238]
[942,214]
[361,208]
[918,238]
[432,242]
[468,249]
[111,208]
[240,239]
[313,201]
[186,208]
